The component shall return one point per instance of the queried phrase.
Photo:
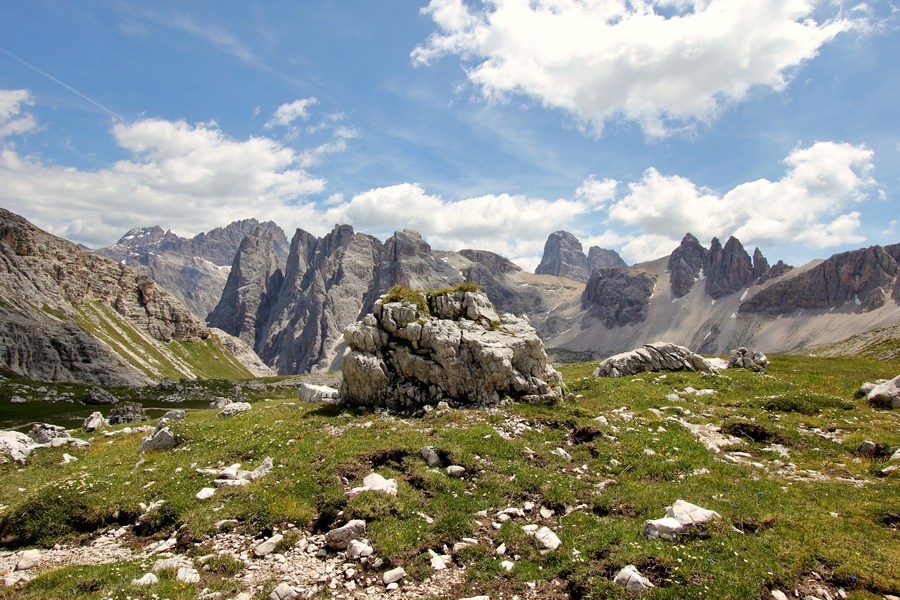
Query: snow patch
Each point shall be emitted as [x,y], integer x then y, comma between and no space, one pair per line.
[744,295]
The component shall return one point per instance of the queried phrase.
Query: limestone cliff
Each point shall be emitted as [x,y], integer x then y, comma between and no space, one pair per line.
[563,257]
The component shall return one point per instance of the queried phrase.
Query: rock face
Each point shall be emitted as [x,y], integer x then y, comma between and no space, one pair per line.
[866,277]
[449,347]
[600,258]
[46,283]
[618,297]
[728,269]
[250,284]
[685,265]
[195,269]
[563,257]
[658,356]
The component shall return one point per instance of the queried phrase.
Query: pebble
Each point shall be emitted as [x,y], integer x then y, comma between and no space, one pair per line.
[456,471]
[393,575]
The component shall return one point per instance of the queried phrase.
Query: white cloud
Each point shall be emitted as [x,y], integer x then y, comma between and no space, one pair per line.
[12,121]
[666,64]
[183,176]
[597,192]
[512,225]
[808,205]
[290,112]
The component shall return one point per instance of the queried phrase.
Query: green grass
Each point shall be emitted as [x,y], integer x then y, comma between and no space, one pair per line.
[806,404]
[155,359]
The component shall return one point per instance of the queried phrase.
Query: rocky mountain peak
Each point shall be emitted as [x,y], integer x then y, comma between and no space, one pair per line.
[600,258]
[760,264]
[618,296]
[563,257]
[685,264]
[728,269]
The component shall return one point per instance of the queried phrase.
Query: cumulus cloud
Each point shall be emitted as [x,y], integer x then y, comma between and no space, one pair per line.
[515,226]
[187,177]
[810,205]
[665,64]
[12,121]
[290,112]
[596,192]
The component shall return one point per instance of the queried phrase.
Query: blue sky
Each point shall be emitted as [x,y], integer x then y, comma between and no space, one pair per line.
[479,124]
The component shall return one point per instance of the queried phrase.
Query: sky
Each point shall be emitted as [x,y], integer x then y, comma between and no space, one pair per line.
[481,124]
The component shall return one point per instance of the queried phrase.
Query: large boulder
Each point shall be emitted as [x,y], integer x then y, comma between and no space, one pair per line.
[886,393]
[742,358]
[127,412]
[658,356]
[450,346]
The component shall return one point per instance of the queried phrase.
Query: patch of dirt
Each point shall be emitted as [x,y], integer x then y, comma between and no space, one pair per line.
[891,520]
[583,435]
[751,431]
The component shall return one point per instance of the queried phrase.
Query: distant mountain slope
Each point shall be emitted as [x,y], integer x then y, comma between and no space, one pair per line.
[193,269]
[713,300]
[70,315]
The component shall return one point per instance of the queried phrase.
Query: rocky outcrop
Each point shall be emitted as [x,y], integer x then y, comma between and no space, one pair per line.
[451,347]
[866,277]
[618,297]
[325,285]
[727,269]
[760,265]
[600,258]
[742,358]
[47,283]
[685,265]
[193,269]
[563,257]
[777,270]
[494,263]
[251,283]
[658,356]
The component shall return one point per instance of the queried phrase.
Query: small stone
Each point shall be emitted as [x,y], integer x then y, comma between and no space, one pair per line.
[778,595]
[28,559]
[547,538]
[341,537]
[456,471]
[283,591]
[268,546]
[501,550]
[68,458]
[187,575]
[632,580]
[358,549]
[205,493]
[867,448]
[442,405]
[393,575]
[561,453]
[147,579]
[234,408]
[431,457]
[508,565]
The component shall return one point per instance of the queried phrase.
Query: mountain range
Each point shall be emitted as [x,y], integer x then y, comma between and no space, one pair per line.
[290,301]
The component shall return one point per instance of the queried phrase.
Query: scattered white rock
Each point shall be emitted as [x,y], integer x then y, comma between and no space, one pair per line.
[431,457]
[268,546]
[508,565]
[680,516]
[632,580]
[547,538]
[68,458]
[357,549]
[778,595]
[376,483]
[561,453]
[456,471]
[95,422]
[317,393]
[162,439]
[205,493]
[283,591]
[28,559]
[234,408]
[340,538]
[147,579]
[187,575]
[393,575]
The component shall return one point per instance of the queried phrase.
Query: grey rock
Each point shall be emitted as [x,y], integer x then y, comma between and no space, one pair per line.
[268,547]
[658,356]
[679,517]
[431,457]
[205,493]
[234,408]
[867,448]
[632,580]
[547,538]
[393,575]
[248,287]
[147,579]
[96,395]
[162,439]
[15,445]
[283,591]
[886,393]
[401,358]
[618,297]
[127,412]
[685,264]
[28,560]
[174,415]
[456,471]
[95,422]
[601,258]
[44,433]
[859,278]
[340,538]
[742,358]
[563,257]
[220,403]
[357,549]
[727,269]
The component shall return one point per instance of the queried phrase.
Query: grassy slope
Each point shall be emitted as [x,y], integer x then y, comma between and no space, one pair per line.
[205,359]
[787,525]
